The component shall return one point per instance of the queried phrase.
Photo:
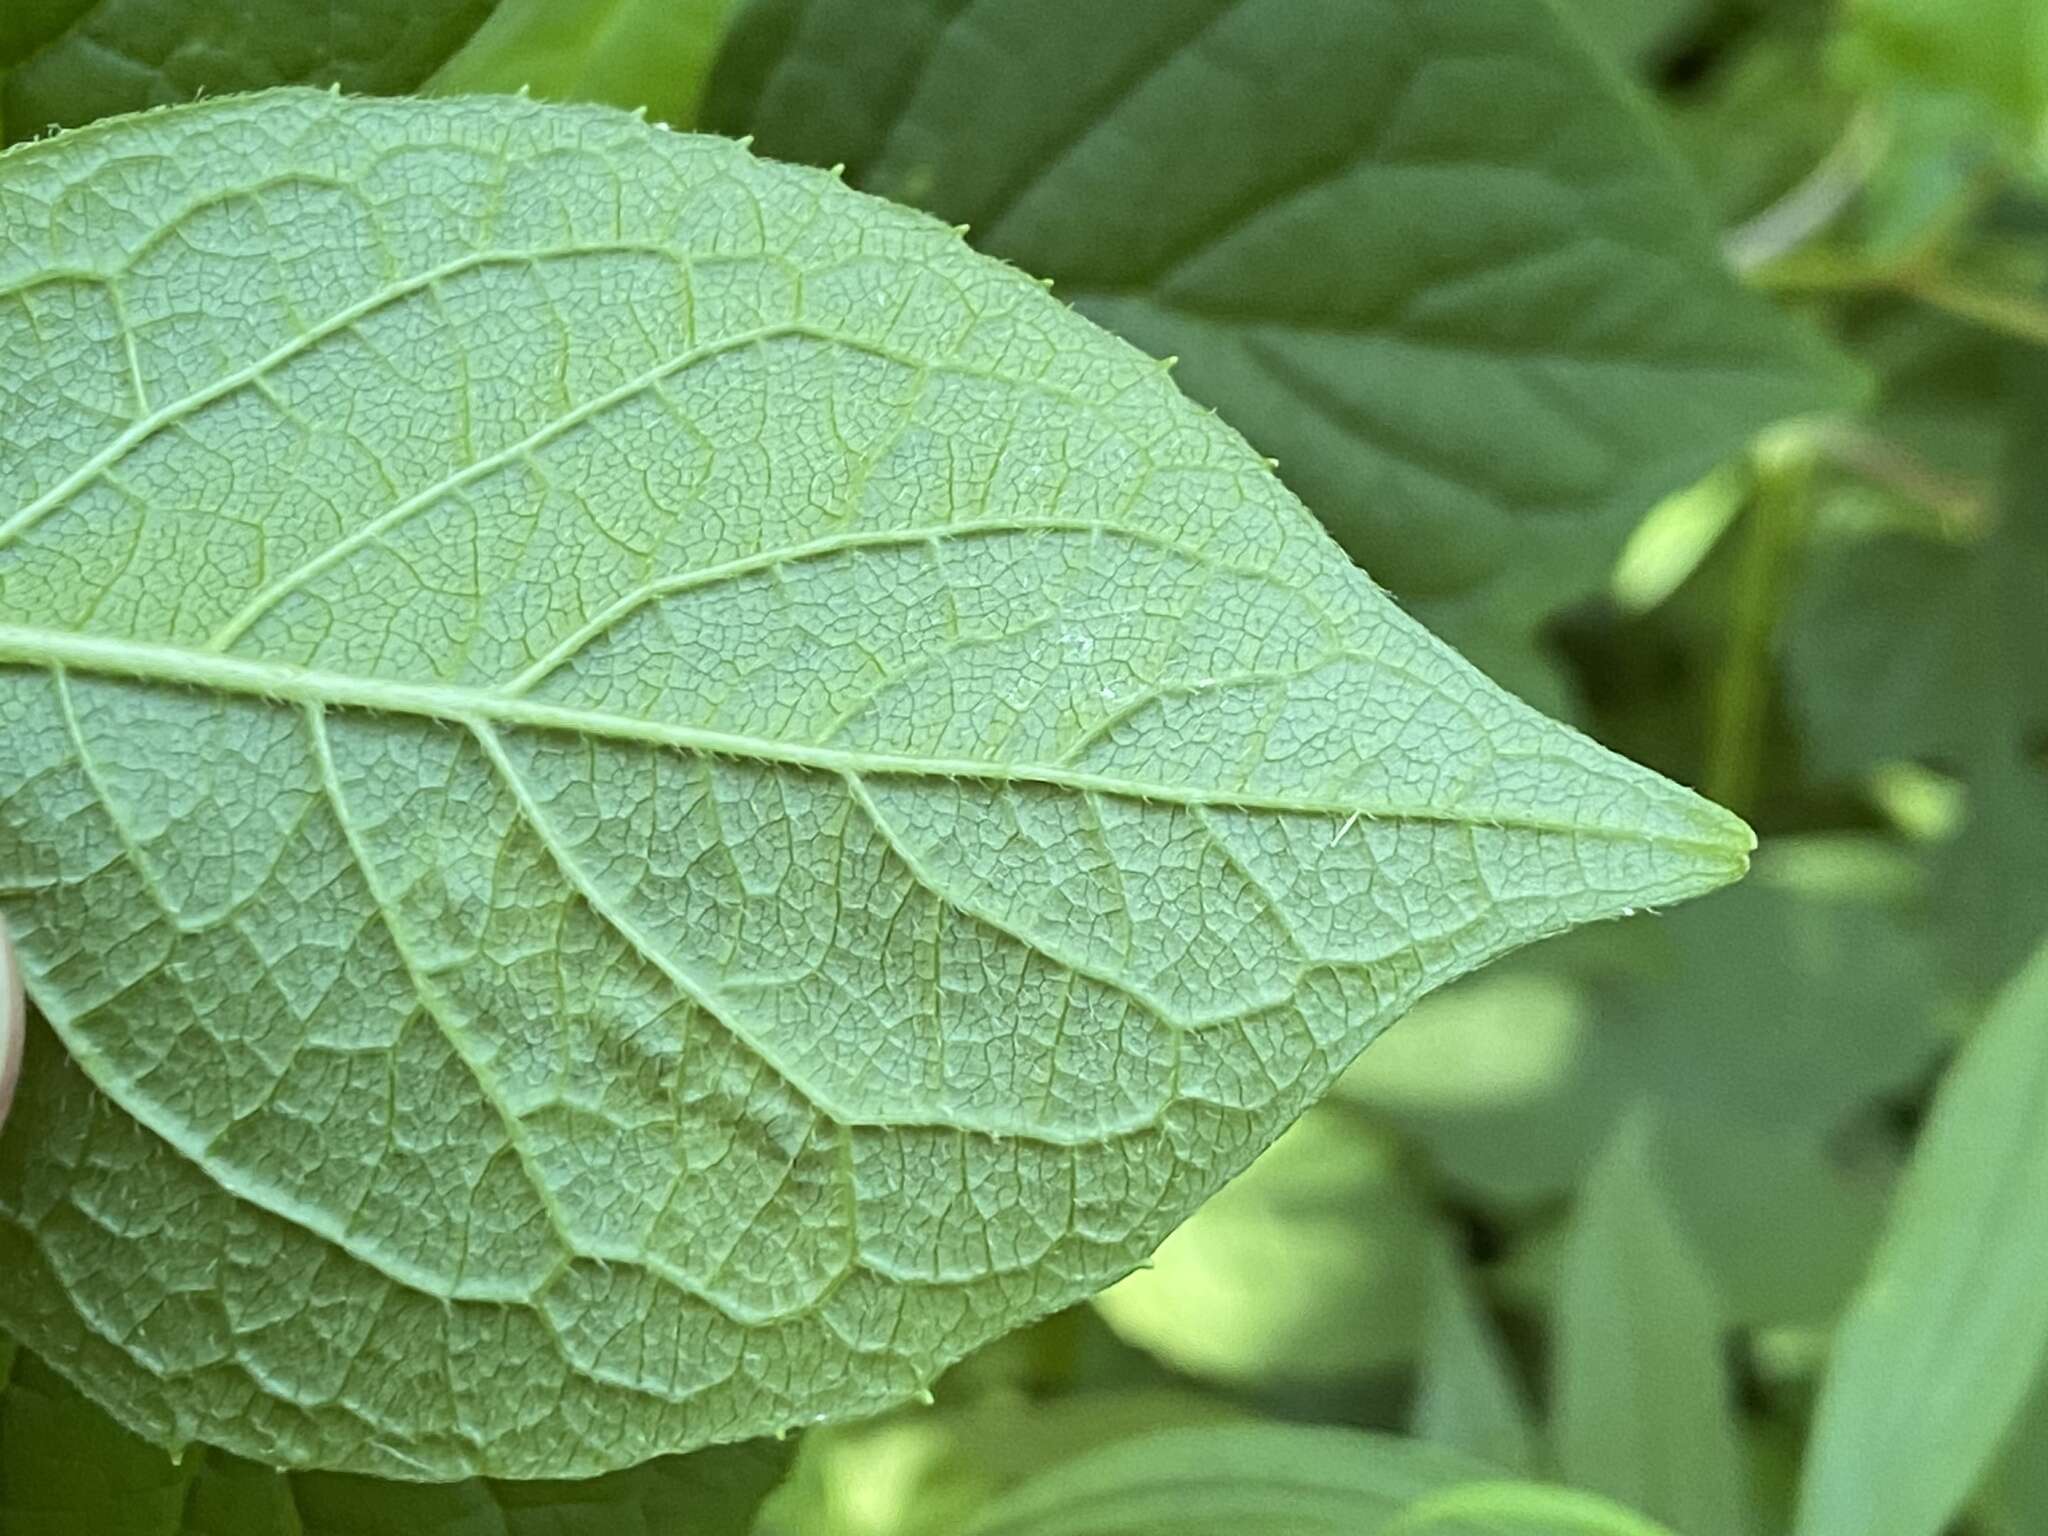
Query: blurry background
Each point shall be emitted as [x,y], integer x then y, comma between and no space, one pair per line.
[1593,1213]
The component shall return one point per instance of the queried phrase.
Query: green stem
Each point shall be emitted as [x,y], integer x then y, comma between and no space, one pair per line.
[1827,272]
[1742,692]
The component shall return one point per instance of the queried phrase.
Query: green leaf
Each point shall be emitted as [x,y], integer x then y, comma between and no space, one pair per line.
[66,1469]
[1519,1509]
[1467,1397]
[71,61]
[1913,648]
[1644,1407]
[2015,1502]
[1427,253]
[1995,51]
[1312,1267]
[927,1472]
[1950,1329]
[1229,1480]
[627,53]
[1937,650]
[1762,1026]
[1634,31]
[655,799]
[27,25]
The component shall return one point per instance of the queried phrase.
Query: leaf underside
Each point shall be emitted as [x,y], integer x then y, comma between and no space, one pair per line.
[648,799]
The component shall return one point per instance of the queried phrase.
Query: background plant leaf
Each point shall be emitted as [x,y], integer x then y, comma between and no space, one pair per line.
[1467,1396]
[1644,1409]
[1950,1330]
[1225,1480]
[1311,1266]
[1478,394]
[626,53]
[66,1469]
[68,62]
[1936,650]
[1519,1509]
[1762,1027]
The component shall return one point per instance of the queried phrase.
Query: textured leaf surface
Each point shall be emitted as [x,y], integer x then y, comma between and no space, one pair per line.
[70,61]
[66,1469]
[1426,253]
[1953,1307]
[654,799]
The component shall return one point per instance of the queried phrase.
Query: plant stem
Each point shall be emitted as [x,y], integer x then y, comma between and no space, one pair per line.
[1826,272]
[1742,691]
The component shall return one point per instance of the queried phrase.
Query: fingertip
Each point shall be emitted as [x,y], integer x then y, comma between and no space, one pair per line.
[13,1023]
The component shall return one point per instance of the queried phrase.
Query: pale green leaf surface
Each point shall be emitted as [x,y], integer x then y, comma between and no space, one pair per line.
[71,61]
[1950,1329]
[1467,1396]
[66,1469]
[1234,1480]
[1644,1409]
[655,799]
[627,53]
[1427,253]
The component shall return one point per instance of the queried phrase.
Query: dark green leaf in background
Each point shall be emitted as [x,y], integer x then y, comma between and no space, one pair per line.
[66,1469]
[1936,650]
[1430,256]
[67,62]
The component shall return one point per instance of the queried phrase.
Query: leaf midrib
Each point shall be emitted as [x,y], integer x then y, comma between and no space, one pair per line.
[179,667]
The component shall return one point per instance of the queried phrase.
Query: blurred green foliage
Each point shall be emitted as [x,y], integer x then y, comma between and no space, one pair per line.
[1598,1214]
